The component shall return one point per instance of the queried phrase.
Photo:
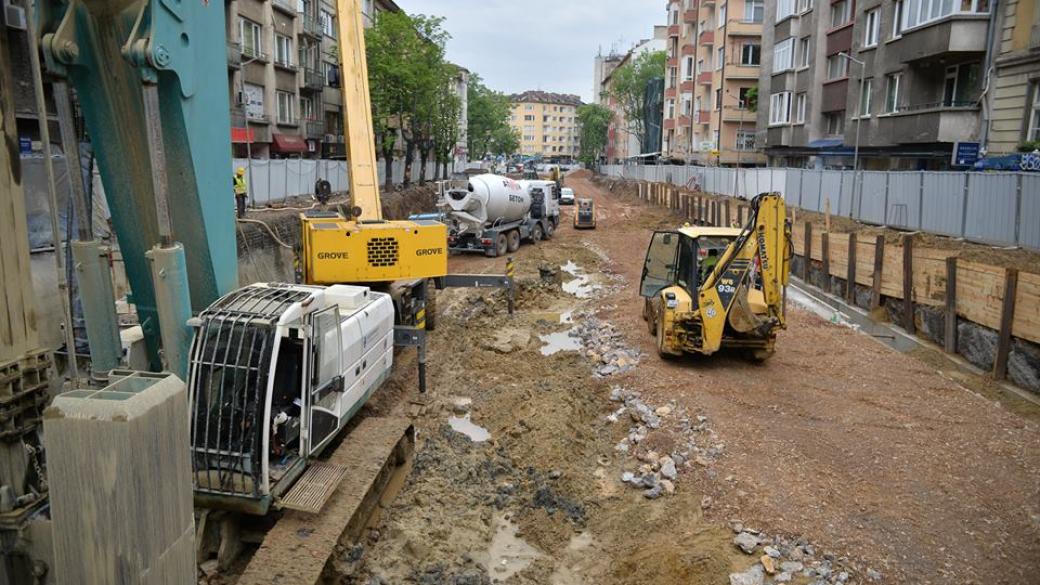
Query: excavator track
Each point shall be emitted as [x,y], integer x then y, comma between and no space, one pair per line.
[296,550]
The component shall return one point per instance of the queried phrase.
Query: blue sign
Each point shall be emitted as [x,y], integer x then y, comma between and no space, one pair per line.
[24,144]
[965,154]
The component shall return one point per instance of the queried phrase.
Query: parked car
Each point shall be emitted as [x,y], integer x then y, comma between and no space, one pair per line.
[566,196]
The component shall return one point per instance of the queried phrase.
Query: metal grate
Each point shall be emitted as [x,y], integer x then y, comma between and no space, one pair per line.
[382,252]
[314,488]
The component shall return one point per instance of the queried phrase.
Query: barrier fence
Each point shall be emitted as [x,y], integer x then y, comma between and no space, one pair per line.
[994,207]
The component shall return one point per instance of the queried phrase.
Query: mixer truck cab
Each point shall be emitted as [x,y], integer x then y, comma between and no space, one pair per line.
[493,215]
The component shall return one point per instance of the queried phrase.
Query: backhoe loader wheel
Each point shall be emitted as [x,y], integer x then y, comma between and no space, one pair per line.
[760,355]
[537,234]
[431,306]
[514,241]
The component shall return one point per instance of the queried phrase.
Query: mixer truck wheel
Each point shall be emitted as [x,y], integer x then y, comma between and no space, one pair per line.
[514,241]
[549,230]
[501,246]
[537,234]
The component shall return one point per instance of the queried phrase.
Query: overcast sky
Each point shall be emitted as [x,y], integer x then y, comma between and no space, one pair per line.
[517,45]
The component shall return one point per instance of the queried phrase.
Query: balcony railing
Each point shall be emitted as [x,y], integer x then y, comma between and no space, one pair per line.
[313,79]
[311,26]
[314,128]
[707,38]
[234,55]
[943,105]
[287,121]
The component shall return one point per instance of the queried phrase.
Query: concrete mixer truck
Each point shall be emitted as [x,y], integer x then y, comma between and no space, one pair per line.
[494,214]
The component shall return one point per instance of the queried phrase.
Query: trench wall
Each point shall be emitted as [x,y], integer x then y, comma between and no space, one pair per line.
[988,314]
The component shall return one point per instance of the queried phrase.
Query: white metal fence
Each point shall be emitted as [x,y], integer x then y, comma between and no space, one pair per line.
[275,180]
[993,207]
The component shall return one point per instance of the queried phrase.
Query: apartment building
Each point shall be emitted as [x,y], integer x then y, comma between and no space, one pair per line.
[603,65]
[621,143]
[714,56]
[547,124]
[1015,100]
[909,88]
[284,77]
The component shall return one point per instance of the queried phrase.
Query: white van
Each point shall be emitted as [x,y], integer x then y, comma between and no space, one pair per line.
[566,196]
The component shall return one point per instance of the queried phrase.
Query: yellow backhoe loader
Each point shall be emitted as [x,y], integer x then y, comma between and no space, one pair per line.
[707,288]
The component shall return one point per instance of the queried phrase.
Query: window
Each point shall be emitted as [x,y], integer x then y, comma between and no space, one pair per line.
[804,5]
[331,74]
[283,50]
[720,57]
[782,55]
[1033,132]
[892,82]
[528,107]
[307,108]
[529,118]
[837,67]
[328,23]
[835,123]
[745,140]
[687,105]
[803,52]
[670,111]
[751,54]
[286,109]
[865,99]
[799,108]
[742,97]
[784,8]
[754,10]
[841,13]
[718,99]
[249,34]
[921,12]
[897,19]
[961,87]
[722,16]
[780,108]
[870,32]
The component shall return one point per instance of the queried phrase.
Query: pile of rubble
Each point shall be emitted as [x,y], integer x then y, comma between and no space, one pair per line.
[606,348]
[696,444]
[782,560]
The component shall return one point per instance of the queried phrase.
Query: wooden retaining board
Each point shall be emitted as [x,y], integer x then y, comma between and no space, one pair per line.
[296,550]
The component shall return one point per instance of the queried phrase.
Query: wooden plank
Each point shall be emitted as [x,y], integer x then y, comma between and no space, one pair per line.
[1007,318]
[728,217]
[865,260]
[879,267]
[1027,308]
[908,284]
[850,281]
[950,339]
[808,251]
[825,249]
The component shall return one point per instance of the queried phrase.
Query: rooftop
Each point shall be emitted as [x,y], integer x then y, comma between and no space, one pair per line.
[545,97]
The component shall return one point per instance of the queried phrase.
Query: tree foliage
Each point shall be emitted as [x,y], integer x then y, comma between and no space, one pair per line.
[594,120]
[628,89]
[489,129]
[752,99]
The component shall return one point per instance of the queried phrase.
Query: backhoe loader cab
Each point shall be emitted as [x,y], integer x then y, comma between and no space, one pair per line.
[711,287]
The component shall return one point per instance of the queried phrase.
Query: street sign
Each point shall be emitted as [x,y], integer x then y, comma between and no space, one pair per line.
[965,154]
[24,144]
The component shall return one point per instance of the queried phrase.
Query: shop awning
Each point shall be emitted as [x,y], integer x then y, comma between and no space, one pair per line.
[826,143]
[288,143]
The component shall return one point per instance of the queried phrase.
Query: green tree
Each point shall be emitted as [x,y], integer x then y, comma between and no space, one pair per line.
[446,131]
[488,119]
[594,120]
[751,99]
[505,141]
[628,89]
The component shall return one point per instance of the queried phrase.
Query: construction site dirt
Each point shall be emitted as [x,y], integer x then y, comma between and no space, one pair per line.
[555,447]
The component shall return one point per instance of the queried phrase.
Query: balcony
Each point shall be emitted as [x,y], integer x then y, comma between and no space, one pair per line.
[312,27]
[684,122]
[741,71]
[286,64]
[253,54]
[690,16]
[738,115]
[669,92]
[287,6]
[314,129]
[839,40]
[688,49]
[674,30]
[687,86]
[704,77]
[707,38]
[835,95]
[959,34]
[743,28]
[313,80]
[929,123]
[672,62]
[669,124]
[704,117]
[234,55]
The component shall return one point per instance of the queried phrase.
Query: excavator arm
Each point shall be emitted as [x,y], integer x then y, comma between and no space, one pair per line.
[757,260]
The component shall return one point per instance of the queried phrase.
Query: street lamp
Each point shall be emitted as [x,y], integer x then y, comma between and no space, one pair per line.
[245,118]
[856,179]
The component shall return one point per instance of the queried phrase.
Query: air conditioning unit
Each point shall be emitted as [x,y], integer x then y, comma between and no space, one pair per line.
[14,16]
[330,138]
[339,139]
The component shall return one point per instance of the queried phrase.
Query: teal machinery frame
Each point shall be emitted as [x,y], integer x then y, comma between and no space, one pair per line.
[151,81]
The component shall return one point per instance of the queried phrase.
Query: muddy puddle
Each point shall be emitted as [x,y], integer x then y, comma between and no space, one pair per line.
[581,284]
[554,343]
[508,554]
[465,426]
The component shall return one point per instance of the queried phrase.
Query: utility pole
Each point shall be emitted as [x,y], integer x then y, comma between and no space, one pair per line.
[856,179]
